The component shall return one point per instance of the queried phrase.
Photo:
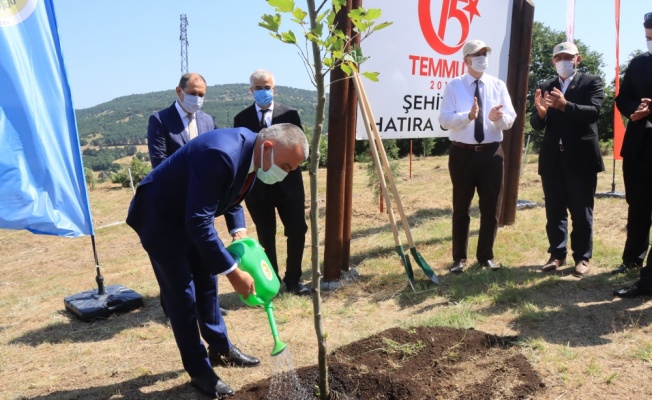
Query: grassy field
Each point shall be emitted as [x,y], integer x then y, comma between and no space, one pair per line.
[585,343]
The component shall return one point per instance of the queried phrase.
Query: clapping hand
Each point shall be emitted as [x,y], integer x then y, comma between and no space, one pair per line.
[473,114]
[642,111]
[540,101]
[495,114]
[556,100]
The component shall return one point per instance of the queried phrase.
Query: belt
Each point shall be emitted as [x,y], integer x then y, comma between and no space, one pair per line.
[474,147]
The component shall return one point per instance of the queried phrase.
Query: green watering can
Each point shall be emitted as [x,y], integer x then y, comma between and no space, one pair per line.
[251,258]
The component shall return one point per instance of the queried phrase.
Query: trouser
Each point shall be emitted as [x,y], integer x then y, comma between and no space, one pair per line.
[470,171]
[571,191]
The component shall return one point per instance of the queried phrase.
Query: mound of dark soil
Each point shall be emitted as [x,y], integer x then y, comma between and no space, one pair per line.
[419,363]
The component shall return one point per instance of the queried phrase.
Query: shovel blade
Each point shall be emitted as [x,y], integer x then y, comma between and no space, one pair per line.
[424,265]
[406,264]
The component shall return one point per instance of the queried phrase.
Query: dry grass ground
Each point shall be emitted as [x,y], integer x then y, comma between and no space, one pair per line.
[585,343]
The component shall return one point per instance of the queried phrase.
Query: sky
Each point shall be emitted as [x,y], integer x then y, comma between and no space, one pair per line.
[122,47]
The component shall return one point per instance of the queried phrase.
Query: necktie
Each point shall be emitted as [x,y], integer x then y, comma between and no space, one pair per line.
[478,132]
[192,126]
[248,182]
[263,120]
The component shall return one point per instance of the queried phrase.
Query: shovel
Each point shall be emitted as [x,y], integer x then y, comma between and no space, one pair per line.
[372,130]
[383,185]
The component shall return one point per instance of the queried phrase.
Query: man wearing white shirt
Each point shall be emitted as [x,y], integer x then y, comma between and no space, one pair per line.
[475,109]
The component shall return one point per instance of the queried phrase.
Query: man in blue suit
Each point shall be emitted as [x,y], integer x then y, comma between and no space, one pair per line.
[171,128]
[174,211]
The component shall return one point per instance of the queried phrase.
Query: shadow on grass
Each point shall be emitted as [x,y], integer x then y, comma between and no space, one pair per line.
[76,331]
[558,308]
[129,390]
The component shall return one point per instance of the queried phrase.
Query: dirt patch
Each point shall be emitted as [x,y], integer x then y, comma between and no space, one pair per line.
[420,363]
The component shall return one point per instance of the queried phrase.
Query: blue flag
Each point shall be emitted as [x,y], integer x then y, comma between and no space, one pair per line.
[42,183]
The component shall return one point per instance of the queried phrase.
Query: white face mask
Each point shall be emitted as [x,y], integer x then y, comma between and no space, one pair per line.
[479,63]
[565,68]
[649,46]
[191,103]
[274,174]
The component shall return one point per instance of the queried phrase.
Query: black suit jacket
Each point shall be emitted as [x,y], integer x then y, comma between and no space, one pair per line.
[248,118]
[636,85]
[166,132]
[576,126]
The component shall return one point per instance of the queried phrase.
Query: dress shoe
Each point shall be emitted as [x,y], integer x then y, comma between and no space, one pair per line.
[552,264]
[631,291]
[211,385]
[491,264]
[581,268]
[624,267]
[458,266]
[234,358]
[299,290]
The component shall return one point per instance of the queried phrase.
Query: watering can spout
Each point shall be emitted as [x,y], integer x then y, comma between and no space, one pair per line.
[251,258]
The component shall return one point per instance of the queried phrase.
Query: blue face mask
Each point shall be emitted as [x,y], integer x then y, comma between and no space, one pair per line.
[264,97]
[274,174]
[191,103]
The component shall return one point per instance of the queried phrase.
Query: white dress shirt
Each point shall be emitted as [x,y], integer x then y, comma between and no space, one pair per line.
[268,115]
[184,117]
[458,101]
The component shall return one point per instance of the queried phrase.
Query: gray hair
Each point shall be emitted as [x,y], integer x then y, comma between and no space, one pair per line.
[260,74]
[287,135]
[183,82]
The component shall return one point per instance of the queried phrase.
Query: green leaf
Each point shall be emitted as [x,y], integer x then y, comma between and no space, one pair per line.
[380,26]
[271,22]
[288,37]
[372,76]
[285,6]
[346,69]
[299,15]
[338,4]
[318,30]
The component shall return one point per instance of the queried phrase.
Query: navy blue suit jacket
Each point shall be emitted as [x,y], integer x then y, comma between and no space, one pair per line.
[166,132]
[176,204]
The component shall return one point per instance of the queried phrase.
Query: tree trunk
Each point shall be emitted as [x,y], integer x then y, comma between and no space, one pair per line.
[324,391]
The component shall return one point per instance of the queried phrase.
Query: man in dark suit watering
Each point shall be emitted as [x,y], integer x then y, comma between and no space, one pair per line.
[567,108]
[171,128]
[288,197]
[174,211]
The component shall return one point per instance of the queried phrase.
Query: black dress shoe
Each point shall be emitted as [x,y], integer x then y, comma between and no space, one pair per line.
[491,264]
[634,290]
[211,386]
[235,358]
[457,267]
[299,290]
[624,267]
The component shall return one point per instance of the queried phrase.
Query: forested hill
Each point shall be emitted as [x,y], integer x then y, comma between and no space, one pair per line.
[123,121]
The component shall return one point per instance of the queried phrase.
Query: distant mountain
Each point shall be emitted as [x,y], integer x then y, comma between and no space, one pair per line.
[123,121]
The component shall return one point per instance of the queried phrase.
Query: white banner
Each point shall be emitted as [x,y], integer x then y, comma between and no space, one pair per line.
[570,20]
[421,52]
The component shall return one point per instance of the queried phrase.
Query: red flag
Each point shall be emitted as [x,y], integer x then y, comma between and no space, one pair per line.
[619,127]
